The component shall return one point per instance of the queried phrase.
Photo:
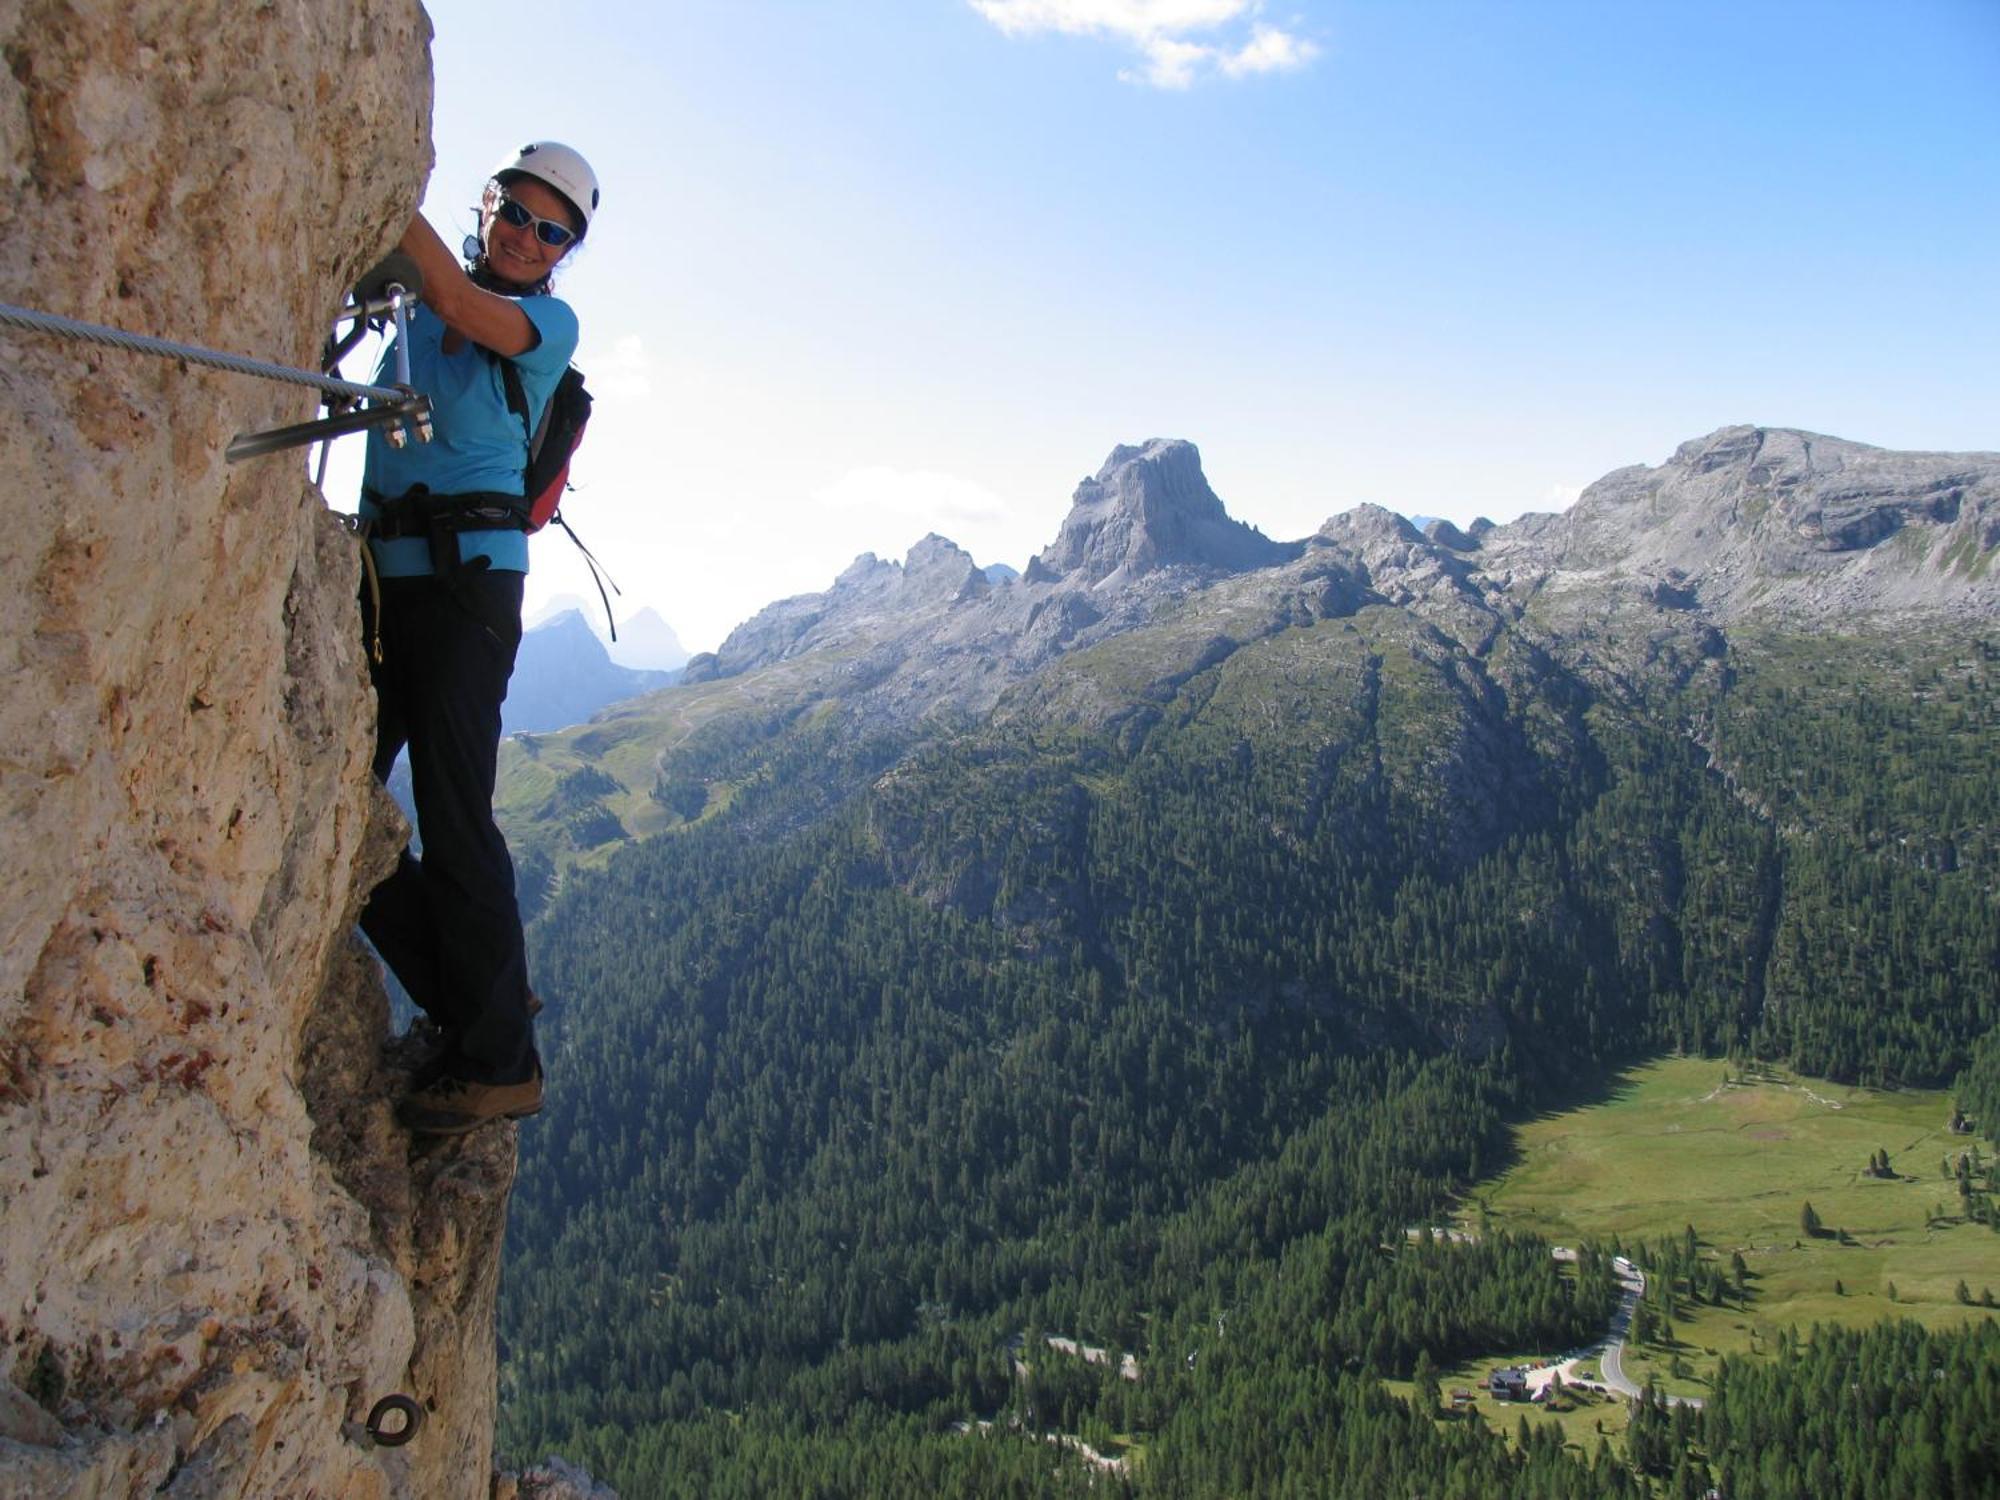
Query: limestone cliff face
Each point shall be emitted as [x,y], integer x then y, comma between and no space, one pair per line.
[216,1249]
[1150,507]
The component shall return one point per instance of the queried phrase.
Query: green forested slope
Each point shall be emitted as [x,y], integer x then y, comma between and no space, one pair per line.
[1155,1026]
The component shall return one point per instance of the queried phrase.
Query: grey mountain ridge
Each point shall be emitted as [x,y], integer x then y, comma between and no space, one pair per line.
[563,675]
[645,640]
[1745,522]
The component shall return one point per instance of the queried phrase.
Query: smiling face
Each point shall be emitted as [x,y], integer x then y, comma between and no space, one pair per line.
[518,255]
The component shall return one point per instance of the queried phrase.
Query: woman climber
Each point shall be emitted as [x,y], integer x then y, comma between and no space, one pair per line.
[445,521]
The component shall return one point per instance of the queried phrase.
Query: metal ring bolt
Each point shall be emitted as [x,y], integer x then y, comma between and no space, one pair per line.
[394,1437]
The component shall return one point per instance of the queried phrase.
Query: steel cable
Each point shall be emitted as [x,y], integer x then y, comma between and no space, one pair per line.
[139,343]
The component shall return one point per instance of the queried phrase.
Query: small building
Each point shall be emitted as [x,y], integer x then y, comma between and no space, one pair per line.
[1509,1384]
[1461,1398]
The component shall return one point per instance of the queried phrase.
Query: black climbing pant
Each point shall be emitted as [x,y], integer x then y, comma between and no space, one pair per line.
[447,922]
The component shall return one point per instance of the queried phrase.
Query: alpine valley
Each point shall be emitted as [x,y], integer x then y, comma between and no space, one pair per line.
[1001,1030]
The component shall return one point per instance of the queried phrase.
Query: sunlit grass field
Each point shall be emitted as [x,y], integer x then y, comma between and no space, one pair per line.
[1584,1416]
[1683,1141]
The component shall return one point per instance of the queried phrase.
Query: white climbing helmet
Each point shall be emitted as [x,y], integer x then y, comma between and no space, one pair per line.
[561,167]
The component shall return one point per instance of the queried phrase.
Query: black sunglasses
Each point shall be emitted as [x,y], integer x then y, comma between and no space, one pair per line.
[551,232]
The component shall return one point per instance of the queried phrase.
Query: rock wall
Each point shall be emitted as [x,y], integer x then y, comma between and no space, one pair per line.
[217,1250]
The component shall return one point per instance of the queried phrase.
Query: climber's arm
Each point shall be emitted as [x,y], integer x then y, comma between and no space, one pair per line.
[488,319]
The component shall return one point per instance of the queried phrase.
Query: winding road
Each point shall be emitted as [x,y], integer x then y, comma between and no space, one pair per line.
[1610,1354]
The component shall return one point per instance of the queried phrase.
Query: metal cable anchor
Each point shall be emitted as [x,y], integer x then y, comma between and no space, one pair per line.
[406,406]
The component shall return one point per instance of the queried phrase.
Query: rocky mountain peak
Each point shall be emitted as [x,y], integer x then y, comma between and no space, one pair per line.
[1370,526]
[1387,552]
[866,571]
[563,674]
[1771,516]
[869,599]
[646,641]
[567,625]
[938,569]
[1745,519]
[1150,507]
[1443,534]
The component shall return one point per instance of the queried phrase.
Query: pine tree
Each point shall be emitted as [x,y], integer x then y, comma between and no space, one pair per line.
[1426,1381]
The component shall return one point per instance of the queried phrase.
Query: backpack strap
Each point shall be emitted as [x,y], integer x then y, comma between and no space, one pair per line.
[517,403]
[537,434]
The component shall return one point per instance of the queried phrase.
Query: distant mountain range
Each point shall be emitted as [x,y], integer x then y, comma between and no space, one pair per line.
[1747,521]
[1139,943]
[1644,581]
[563,675]
[645,641]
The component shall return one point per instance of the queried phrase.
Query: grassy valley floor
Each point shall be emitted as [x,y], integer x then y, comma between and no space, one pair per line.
[1737,1155]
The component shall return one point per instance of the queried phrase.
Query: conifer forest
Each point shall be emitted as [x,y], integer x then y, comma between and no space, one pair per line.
[1045,1102]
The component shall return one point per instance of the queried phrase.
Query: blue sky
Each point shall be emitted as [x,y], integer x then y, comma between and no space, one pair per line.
[874,268]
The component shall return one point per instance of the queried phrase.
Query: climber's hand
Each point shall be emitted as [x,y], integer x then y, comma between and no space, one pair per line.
[397,268]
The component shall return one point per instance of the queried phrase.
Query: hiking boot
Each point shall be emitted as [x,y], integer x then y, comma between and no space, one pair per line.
[453,1106]
[432,1070]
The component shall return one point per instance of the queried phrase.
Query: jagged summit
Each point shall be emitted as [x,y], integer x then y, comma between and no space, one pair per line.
[563,675]
[1148,508]
[1442,533]
[1764,516]
[1144,528]
[1645,580]
[646,641]
[1747,519]
[936,568]
[869,597]
[1370,525]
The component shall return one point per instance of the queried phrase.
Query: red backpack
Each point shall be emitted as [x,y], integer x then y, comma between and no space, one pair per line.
[551,443]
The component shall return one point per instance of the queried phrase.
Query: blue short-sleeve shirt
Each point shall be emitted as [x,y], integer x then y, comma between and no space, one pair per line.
[479,445]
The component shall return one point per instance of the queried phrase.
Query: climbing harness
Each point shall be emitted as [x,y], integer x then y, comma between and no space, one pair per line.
[551,443]
[390,406]
[399,1405]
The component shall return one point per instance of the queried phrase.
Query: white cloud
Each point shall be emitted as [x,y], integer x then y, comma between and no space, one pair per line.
[1176,38]
[1269,50]
[937,499]
[622,373]
[1169,64]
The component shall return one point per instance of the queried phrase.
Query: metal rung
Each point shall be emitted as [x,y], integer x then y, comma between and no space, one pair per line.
[413,408]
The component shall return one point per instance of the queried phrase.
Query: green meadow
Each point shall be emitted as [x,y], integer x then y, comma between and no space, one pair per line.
[1698,1142]
[1581,1416]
